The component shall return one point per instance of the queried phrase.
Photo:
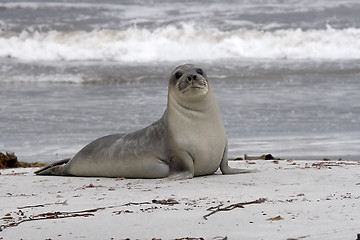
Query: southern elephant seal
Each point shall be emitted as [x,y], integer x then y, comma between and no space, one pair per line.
[188,140]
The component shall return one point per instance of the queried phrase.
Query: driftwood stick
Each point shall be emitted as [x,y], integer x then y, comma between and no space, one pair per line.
[231,207]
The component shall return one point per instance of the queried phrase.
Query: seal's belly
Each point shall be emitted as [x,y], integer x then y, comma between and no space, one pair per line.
[207,161]
[207,153]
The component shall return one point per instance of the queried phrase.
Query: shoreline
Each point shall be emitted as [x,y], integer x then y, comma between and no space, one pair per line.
[302,200]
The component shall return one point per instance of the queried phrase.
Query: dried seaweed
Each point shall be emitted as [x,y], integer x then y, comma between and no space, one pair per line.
[9,160]
[169,202]
[262,157]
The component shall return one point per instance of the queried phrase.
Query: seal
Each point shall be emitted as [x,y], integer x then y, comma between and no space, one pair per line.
[189,140]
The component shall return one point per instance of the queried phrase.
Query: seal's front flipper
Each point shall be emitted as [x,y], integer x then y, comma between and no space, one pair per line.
[180,176]
[225,169]
[181,166]
[53,169]
[228,170]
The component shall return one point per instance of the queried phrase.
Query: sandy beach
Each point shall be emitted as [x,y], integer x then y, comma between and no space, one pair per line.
[282,200]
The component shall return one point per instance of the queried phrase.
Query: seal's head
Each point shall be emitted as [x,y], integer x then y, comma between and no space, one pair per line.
[189,81]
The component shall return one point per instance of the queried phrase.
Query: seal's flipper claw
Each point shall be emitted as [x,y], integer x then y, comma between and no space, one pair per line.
[49,170]
[230,170]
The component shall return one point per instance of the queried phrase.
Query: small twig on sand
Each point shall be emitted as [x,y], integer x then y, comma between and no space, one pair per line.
[52,215]
[169,201]
[215,208]
[135,203]
[231,207]
[34,206]
[43,205]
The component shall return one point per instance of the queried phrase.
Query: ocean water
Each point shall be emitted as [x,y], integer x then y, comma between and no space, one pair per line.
[286,73]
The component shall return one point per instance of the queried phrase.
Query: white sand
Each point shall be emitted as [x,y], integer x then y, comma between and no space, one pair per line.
[312,202]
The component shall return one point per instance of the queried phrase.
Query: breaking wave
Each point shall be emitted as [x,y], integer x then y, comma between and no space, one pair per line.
[187,42]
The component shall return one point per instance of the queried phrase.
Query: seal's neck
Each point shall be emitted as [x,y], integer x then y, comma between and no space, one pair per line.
[203,103]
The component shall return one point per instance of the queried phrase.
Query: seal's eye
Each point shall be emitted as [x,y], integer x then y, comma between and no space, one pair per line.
[178,75]
[199,71]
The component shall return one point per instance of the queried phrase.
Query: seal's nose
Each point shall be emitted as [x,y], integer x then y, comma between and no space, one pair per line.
[191,77]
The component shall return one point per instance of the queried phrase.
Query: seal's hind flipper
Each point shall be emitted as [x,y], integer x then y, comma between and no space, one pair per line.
[51,169]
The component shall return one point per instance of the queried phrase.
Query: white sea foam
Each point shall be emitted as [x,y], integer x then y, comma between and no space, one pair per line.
[187,42]
[46,78]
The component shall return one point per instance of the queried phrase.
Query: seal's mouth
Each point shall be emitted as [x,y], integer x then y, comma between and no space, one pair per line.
[198,85]
[193,86]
